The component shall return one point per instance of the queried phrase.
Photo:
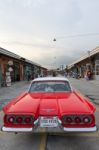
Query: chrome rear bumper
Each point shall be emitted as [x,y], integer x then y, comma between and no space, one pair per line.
[7,129]
[91,129]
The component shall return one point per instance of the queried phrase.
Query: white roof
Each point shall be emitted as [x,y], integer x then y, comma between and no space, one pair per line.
[51,79]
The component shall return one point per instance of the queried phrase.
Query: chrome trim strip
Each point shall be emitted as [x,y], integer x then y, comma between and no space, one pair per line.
[36,121]
[59,121]
[7,129]
[91,129]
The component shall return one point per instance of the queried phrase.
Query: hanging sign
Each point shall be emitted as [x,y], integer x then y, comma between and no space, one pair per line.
[10,62]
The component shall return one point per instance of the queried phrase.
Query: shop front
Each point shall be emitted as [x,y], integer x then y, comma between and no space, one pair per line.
[97,69]
[0,76]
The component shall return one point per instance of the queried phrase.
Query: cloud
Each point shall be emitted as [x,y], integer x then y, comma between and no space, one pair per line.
[52,62]
[27,27]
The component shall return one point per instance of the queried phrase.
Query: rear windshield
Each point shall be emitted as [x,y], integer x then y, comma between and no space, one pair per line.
[50,86]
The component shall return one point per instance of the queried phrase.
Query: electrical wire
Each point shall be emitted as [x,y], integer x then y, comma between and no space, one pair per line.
[76,35]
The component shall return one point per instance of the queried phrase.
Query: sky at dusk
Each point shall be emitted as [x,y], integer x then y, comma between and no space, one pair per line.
[28,27]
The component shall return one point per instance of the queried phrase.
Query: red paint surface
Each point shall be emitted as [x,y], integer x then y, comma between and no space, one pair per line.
[49,104]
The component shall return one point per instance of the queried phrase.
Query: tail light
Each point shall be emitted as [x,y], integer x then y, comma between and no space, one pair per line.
[19,120]
[11,119]
[66,119]
[86,119]
[27,120]
[69,120]
[77,120]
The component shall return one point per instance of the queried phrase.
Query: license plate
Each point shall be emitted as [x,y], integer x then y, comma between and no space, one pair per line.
[48,122]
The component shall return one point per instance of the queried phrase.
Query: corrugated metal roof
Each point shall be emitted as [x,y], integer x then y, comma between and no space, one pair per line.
[8,53]
[13,55]
[92,52]
[31,62]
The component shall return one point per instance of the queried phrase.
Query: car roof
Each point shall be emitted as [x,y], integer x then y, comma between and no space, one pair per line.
[51,79]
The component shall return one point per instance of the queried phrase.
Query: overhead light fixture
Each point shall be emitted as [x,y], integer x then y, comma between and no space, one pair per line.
[54,39]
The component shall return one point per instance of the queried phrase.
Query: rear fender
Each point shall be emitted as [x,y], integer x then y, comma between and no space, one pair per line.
[13,101]
[85,100]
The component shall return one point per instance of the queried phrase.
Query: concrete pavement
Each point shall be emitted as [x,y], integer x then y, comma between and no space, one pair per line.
[8,93]
[88,88]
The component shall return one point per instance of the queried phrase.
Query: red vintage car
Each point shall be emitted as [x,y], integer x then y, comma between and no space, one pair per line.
[50,102]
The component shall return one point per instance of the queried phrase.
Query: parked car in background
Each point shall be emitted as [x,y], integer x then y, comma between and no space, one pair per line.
[50,102]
